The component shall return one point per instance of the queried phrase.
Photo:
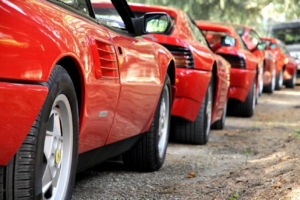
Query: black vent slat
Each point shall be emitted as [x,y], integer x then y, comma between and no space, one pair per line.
[185,60]
[235,61]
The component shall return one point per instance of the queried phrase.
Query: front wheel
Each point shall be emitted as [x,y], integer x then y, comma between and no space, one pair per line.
[219,125]
[45,165]
[279,80]
[196,132]
[149,154]
[246,108]
[270,88]
[291,82]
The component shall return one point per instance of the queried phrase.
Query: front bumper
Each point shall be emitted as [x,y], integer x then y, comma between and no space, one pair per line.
[240,83]
[20,105]
[191,87]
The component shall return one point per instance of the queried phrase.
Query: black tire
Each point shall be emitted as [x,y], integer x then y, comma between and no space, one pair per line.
[270,88]
[291,82]
[146,155]
[219,125]
[196,132]
[246,108]
[23,175]
[279,80]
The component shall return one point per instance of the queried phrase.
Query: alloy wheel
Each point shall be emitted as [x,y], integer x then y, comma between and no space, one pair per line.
[208,110]
[164,121]
[58,148]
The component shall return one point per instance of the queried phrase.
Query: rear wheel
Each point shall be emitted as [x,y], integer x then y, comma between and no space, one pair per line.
[45,165]
[219,125]
[149,154]
[292,82]
[270,88]
[246,108]
[196,132]
[279,80]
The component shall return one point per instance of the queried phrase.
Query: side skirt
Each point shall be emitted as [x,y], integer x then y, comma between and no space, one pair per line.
[96,156]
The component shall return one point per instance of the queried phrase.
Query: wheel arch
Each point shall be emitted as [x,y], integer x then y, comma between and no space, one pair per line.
[172,72]
[73,68]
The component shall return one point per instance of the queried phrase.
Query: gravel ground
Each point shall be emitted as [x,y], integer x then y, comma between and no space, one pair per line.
[256,158]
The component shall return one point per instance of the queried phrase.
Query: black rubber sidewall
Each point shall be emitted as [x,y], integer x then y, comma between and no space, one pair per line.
[61,84]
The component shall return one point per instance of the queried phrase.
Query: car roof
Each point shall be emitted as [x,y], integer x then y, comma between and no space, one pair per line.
[141,7]
[149,8]
[215,26]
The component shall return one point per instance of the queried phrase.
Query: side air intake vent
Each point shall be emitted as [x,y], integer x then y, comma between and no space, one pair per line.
[235,61]
[183,56]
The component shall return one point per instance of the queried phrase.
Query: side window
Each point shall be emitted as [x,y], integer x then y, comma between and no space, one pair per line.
[79,5]
[253,36]
[196,32]
[213,37]
[106,14]
[242,42]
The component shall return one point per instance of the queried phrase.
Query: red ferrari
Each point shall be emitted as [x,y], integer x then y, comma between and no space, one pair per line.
[71,84]
[202,77]
[286,66]
[244,76]
[265,58]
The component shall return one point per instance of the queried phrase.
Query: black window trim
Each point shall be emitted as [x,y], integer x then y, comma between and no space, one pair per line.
[91,15]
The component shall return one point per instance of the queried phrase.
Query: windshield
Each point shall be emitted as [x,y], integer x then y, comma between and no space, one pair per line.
[288,35]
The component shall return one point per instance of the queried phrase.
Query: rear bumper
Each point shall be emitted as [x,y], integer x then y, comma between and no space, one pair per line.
[240,83]
[20,104]
[191,87]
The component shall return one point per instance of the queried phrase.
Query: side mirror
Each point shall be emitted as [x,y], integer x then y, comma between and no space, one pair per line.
[156,22]
[227,41]
[261,46]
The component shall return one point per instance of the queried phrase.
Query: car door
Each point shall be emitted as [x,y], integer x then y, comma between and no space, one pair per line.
[93,45]
[139,77]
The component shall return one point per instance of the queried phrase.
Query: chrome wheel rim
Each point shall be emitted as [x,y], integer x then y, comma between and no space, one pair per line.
[273,79]
[58,148]
[280,82]
[261,80]
[254,96]
[294,78]
[208,110]
[164,115]
[224,112]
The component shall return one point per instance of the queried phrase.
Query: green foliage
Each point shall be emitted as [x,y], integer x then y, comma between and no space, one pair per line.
[234,196]
[247,153]
[260,14]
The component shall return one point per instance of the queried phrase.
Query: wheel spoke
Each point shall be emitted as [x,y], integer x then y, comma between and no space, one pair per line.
[48,145]
[55,179]
[47,179]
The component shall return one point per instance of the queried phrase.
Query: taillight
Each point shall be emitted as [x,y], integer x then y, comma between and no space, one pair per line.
[235,61]
[183,56]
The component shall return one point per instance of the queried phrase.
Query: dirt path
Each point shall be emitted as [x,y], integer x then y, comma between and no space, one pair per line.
[257,158]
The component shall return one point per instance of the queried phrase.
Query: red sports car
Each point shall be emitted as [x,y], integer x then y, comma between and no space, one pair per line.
[265,58]
[202,78]
[244,76]
[71,84]
[286,66]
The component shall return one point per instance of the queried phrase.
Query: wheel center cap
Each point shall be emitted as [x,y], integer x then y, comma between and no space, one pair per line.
[57,156]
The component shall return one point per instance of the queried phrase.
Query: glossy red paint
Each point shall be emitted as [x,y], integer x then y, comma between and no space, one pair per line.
[118,74]
[240,79]
[20,104]
[283,59]
[191,83]
[265,58]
